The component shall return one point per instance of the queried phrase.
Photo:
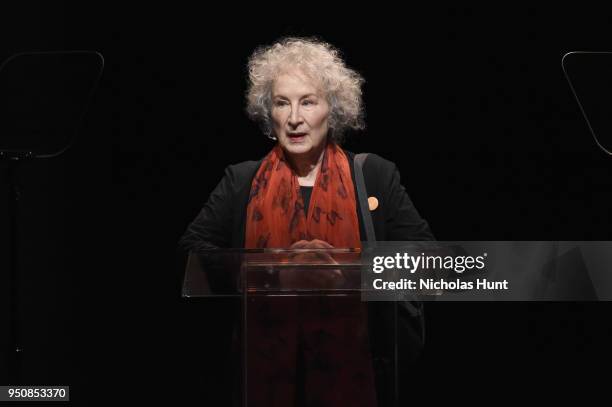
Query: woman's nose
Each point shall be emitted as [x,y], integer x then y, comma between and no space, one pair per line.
[295,118]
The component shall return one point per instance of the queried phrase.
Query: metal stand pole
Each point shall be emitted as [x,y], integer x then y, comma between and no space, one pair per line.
[14,194]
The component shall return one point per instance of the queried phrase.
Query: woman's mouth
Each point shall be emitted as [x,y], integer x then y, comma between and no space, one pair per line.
[296,137]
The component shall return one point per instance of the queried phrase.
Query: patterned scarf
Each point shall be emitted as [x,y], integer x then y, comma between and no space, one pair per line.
[275,212]
[301,350]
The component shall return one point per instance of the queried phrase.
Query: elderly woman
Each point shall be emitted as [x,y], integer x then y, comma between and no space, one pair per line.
[302,194]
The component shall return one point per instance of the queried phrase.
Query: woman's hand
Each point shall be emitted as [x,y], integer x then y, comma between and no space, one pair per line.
[311,278]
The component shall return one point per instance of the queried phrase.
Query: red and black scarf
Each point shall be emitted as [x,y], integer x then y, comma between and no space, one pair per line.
[275,212]
[306,350]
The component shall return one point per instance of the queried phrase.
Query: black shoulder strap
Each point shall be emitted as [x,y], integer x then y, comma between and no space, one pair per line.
[414,308]
[362,196]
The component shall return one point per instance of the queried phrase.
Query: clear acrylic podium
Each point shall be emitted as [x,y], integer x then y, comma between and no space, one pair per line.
[304,336]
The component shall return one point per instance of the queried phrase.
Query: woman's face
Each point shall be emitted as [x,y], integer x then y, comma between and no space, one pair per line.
[299,113]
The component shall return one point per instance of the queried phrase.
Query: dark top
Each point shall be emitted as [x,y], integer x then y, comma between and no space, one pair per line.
[306,193]
[396,218]
[222,223]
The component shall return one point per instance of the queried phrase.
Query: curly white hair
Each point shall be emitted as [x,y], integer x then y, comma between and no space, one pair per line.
[320,61]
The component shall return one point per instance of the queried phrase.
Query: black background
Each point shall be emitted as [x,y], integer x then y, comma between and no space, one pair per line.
[471,104]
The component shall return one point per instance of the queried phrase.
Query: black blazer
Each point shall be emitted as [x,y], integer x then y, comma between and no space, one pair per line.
[222,223]
[222,220]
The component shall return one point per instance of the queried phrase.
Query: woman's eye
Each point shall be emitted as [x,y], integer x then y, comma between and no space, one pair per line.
[280,103]
[308,102]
